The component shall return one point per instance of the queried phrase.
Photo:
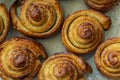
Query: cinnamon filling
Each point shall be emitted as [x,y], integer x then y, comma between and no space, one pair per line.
[84,30]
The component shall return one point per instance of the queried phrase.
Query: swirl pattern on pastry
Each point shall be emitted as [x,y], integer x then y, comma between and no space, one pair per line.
[83,31]
[38,18]
[107,58]
[19,59]
[102,5]
[4,22]
[64,66]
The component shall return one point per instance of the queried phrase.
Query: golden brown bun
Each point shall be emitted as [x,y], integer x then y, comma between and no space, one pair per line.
[102,5]
[64,66]
[83,30]
[4,22]
[107,58]
[19,59]
[38,18]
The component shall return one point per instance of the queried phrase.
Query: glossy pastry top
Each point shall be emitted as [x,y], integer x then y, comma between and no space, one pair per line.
[64,66]
[38,18]
[107,58]
[83,30]
[4,22]
[102,5]
[19,59]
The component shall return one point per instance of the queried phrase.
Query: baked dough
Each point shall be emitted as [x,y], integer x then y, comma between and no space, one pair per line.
[37,18]
[102,5]
[107,58]
[83,31]
[19,59]
[64,66]
[4,22]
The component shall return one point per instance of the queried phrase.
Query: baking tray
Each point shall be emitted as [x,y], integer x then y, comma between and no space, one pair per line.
[54,44]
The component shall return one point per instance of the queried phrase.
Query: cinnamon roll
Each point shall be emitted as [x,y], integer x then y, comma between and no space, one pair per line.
[102,5]
[4,22]
[37,18]
[64,66]
[107,58]
[19,59]
[83,30]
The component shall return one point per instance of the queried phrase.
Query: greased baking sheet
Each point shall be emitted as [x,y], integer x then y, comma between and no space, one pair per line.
[54,44]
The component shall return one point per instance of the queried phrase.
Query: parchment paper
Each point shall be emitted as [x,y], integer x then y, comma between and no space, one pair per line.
[54,44]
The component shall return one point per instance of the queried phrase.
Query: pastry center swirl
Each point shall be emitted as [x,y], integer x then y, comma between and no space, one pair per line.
[113,58]
[62,70]
[35,12]
[19,57]
[84,30]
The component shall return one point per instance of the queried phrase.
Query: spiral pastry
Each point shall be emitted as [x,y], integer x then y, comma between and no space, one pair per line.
[102,5]
[37,18]
[64,67]
[19,59]
[4,22]
[83,31]
[107,58]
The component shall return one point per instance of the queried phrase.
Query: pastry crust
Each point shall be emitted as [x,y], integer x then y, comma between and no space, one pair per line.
[83,31]
[102,5]
[4,22]
[19,59]
[64,66]
[107,58]
[38,18]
